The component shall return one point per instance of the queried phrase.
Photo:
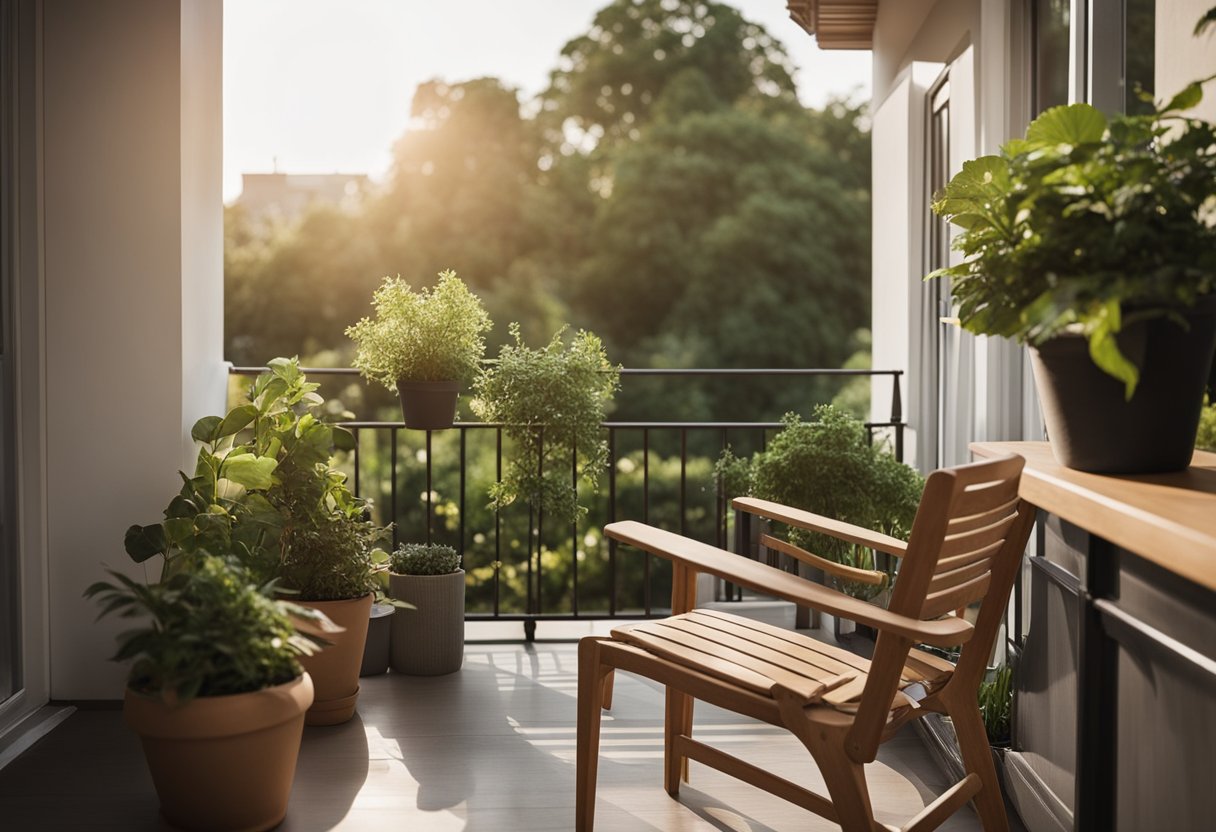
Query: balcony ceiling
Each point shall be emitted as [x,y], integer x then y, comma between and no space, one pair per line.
[837,24]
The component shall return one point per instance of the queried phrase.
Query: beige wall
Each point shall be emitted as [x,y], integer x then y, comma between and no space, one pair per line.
[132,240]
[1182,58]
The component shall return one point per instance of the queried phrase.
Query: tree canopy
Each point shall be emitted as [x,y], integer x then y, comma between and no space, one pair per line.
[666,191]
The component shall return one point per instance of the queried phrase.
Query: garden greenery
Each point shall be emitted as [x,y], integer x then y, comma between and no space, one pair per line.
[1088,224]
[264,490]
[828,466]
[551,403]
[424,559]
[212,631]
[435,334]
[996,705]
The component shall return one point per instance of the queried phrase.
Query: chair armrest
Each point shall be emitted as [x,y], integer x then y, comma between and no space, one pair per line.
[825,525]
[701,557]
[849,573]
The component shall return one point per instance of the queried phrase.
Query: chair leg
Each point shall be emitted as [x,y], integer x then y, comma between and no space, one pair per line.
[677,722]
[823,733]
[977,757]
[606,695]
[591,683]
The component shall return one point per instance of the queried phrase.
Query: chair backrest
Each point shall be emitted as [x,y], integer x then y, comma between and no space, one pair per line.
[966,544]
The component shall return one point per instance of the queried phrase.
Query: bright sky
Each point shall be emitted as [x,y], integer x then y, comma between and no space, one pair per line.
[322,86]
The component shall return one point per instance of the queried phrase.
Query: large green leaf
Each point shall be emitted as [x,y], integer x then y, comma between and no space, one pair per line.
[1104,349]
[1070,124]
[344,440]
[237,419]
[142,542]
[205,428]
[249,470]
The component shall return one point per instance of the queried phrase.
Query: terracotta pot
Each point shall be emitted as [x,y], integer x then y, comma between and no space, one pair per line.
[1090,424]
[428,405]
[335,670]
[428,640]
[223,762]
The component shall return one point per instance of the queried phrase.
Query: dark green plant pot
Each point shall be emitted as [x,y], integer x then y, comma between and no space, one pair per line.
[1091,426]
[379,634]
[428,405]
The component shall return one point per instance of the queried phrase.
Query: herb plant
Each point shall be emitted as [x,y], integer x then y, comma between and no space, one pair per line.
[434,334]
[424,559]
[1088,224]
[828,466]
[212,631]
[551,403]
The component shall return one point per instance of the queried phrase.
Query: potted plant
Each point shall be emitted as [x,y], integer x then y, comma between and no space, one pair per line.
[1092,240]
[424,344]
[428,639]
[829,466]
[551,403]
[264,489]
[216,691]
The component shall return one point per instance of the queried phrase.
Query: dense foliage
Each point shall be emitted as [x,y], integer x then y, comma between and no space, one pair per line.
[424,559]
[265,491]
[551,402]
[996,705]
[434,334]
[1088,223]
[212,631]
[828,466]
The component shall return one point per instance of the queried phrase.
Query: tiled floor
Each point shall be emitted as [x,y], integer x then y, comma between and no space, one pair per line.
[489,749]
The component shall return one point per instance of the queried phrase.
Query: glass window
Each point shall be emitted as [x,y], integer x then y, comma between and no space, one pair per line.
[1051,49]
[1139,53]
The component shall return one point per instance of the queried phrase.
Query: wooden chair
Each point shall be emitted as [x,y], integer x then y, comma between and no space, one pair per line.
[966,545]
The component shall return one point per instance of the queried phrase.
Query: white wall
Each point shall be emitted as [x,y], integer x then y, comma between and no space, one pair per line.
[132,279]
[1181,58]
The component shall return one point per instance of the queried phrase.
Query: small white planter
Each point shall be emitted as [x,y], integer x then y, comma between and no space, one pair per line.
[428,640]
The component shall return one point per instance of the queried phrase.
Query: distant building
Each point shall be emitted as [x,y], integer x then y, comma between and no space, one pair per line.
[284,196]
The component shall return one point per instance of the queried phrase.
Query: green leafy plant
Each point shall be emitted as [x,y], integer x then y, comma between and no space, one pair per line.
[829,466]
[996,705]
[1206,438]
[424,559]
[264,490]
[212,631]
[1087,224]
[551,403]
[434,334]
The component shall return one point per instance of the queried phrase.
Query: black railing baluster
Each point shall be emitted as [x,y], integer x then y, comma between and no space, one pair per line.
[574,534]
[497,524]
[611,519]
[646,516]
[430,510]
[540,521]
[684,481]
[355,461]
[463,468]
[897,416]
[392,467]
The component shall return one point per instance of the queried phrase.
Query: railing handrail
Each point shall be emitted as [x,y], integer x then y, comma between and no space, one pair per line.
[636,371]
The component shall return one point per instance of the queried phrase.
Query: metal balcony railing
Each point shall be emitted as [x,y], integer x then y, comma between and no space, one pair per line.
[430,486]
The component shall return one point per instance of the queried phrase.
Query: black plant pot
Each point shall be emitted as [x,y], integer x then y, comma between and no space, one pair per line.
[1090,424]
[428,405]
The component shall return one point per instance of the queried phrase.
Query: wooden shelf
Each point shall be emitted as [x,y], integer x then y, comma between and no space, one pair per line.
[1168,519]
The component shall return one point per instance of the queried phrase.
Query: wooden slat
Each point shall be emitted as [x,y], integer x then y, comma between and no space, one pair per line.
[748,773]
[984,497]
[818,523]
[975,521]
[839,653]
[959,561]
[840,570]
[958,544]
[955,577]
[769,648]
[951,800]
[940,603]
[721,661]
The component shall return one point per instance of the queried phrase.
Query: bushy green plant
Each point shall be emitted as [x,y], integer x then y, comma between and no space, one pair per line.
[1087,224]
[433,334]
[551,403]
[1206,438]
[264,490]
[828,466]
[212,631]
[996,705]
[424,559]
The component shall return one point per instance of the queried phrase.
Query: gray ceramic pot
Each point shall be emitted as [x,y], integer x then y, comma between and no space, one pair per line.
[429,639]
